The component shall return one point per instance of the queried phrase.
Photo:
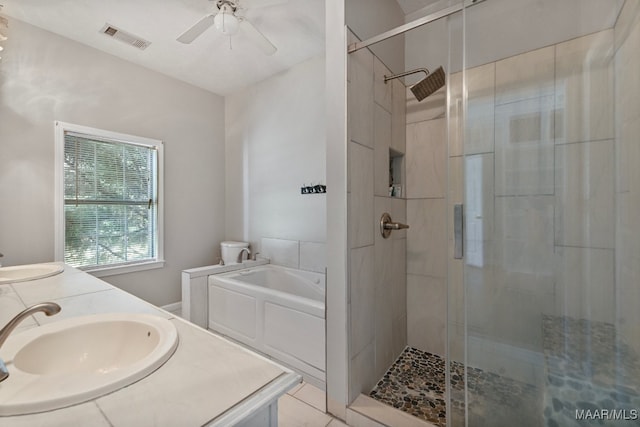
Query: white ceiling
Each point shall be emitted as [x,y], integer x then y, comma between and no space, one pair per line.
[296,27]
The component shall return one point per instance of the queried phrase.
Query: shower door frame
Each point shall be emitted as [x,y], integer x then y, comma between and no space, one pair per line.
[354,47]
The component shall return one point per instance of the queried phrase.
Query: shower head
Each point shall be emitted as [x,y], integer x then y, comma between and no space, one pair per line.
[425,87]
[429,84]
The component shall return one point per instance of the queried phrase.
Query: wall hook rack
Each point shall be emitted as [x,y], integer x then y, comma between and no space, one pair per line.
[313,189]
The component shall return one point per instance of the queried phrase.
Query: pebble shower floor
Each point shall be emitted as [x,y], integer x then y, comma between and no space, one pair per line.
[415,384]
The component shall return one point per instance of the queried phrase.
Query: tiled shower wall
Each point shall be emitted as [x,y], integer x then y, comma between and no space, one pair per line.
[540,206]
[550,205]
[627,124]
[541,231]
[377,282]
[426,193]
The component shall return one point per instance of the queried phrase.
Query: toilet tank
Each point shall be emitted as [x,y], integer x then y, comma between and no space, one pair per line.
[230,250]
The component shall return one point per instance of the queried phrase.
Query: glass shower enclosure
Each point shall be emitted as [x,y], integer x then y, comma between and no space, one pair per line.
[530,155]
[550,268]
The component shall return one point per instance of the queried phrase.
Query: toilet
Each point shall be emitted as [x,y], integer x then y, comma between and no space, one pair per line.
[230,250]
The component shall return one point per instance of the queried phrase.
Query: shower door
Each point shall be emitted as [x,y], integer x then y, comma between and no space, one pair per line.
[544,157]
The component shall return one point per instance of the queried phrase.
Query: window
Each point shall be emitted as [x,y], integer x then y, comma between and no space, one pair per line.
[108,219]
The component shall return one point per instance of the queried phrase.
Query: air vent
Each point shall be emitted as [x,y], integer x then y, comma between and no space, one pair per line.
[125,37]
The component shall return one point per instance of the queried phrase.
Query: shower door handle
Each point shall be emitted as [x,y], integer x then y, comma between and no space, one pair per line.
[387,225]
[458,231]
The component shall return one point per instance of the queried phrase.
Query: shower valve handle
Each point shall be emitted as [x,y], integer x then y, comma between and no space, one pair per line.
[387,225]
[395,226]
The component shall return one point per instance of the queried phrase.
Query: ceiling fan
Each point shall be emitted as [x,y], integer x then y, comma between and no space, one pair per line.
[228,21]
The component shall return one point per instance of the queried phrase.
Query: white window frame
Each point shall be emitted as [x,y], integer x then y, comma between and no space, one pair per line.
[102,271]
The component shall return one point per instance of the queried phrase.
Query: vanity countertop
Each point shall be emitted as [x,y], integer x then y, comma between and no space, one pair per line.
[208,381]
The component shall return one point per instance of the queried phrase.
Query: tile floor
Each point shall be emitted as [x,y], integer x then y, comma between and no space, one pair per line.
[304,406]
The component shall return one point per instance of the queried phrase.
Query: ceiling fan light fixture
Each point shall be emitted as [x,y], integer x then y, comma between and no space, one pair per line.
[225,21]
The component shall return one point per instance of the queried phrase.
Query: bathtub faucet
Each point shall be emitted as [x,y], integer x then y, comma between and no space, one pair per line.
[243,250]
[48,308]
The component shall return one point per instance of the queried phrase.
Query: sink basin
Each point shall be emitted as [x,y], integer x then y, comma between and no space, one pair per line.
[22,273]
[79,359]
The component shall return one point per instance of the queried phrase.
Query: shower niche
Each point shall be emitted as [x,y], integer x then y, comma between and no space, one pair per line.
[396,172]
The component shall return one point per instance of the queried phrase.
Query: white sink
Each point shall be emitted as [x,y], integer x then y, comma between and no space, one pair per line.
[78,359]
[22,273]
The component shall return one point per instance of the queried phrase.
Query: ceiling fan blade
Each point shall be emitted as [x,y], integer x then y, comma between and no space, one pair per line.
[257,37]
[197,29]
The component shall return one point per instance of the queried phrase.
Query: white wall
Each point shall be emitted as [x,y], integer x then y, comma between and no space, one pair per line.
[44,77]
[337,246]
[275,143]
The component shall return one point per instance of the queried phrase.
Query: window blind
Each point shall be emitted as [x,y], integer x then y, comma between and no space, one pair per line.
[110,203]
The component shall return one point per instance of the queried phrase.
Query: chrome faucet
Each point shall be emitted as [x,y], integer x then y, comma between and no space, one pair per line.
[48,308]
[243,250]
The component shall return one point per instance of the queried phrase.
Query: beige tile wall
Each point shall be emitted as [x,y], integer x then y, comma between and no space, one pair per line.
[426,191]
[382,138]
[627,147]
[377,282]
[540,161]
[551,220]
[585,194]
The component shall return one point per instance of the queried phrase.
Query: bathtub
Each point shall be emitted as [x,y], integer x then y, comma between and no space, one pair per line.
[276,310]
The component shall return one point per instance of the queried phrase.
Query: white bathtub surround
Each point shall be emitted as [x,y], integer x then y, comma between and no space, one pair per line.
[298,254]
[276,310]
[313,256]
[205,395]
[195,291]
[281,252]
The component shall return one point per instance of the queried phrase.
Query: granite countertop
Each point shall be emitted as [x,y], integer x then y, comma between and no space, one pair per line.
[206,381]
